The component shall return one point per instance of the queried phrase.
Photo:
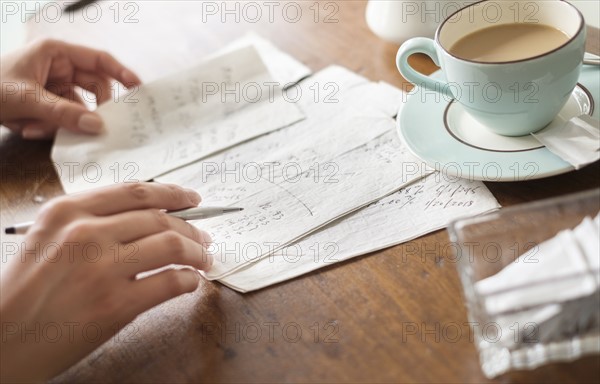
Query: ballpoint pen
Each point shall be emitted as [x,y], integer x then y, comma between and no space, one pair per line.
[198,213]
[78,5]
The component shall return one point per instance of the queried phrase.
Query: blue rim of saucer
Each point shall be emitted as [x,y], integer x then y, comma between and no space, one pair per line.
[421,125]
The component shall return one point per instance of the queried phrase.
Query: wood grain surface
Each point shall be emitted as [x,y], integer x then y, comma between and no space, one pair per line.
[350,322]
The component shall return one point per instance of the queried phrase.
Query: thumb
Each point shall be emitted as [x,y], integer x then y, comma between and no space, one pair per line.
[67,114]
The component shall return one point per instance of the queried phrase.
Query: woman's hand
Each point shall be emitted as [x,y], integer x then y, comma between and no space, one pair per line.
[38,87]
[72,284]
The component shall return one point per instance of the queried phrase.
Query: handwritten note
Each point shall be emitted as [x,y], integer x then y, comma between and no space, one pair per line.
[317,175]
[335,125]
[423,207]
[282,213]
[176,120]
[344,156]
[293,182]
[284,69]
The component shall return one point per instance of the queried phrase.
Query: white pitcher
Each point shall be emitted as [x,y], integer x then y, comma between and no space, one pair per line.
[399,20]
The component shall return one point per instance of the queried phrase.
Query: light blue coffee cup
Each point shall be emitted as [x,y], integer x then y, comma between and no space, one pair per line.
[511,98]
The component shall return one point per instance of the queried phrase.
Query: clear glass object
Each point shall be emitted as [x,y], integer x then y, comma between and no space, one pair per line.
[485,245]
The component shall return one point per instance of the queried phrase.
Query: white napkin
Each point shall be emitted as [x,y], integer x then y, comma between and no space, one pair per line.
[550,291]
[577,142]
[562,268]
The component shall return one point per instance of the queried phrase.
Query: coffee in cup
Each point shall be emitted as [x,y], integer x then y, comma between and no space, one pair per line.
[508,42]
[512,65]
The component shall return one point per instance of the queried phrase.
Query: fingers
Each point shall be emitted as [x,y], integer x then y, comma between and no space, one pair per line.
[15,126]
[166,248]
[97,84]
[61,65]
[42,129]
[129,226]
[31,129]
[70,93]
[135,196]
[101,63]
[38,130]
[161,287]
[66,113]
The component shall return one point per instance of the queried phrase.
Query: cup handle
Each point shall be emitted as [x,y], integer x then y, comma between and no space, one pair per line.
[426,46]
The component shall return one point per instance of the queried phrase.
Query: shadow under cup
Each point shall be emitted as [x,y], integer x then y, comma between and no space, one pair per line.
[511,98]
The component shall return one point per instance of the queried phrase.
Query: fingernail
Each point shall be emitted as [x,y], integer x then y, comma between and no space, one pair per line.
[194,278]
[90,123]
[33,133]
[193,196]
[210,260]
[206,239]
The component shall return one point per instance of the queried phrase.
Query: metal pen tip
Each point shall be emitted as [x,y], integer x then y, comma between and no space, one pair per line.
[233,209]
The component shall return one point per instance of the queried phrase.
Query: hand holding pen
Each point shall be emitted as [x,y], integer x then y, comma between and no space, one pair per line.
[198,213]
[80,260]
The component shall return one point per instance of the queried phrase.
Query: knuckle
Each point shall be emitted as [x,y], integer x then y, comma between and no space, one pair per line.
[138,191]
[103,60]
[162,219]
[175,244]
[80,232]
[194,233]
[105,56]
[58,111]
[48,45]
[38,231]
[109,306]
[56,210]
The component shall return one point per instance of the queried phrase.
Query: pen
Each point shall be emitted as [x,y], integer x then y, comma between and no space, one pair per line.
[198,213]
[78,5]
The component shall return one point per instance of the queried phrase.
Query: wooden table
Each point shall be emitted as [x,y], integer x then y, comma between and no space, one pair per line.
[353,317]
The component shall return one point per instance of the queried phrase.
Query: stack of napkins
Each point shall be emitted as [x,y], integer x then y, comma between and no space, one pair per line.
[550,292]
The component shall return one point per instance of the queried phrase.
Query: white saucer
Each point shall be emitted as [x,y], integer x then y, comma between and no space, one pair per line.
[443,135]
